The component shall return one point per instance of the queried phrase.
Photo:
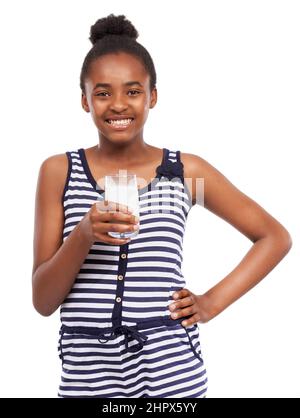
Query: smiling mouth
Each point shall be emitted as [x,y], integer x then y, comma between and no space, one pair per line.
[119,123]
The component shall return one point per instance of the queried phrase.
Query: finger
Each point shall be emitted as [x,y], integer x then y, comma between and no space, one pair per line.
[114,241]
[192,320]
[118,207]
[117,241]
[124,217]
[181,293]
[187,301]
[106,206]
[113,227]
[118,216]
[184,312]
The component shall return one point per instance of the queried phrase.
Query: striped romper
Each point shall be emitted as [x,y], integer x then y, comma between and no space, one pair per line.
[117,339]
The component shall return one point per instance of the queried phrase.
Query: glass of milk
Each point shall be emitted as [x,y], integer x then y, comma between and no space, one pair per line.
[122,188]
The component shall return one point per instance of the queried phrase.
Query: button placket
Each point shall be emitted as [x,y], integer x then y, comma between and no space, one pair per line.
[117,310]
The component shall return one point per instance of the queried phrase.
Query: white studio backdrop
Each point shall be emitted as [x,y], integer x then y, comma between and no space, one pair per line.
[228,91]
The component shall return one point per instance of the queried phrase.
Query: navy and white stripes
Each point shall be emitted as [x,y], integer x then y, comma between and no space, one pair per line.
[122,287]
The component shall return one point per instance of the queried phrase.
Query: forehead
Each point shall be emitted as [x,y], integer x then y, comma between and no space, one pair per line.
[117,68]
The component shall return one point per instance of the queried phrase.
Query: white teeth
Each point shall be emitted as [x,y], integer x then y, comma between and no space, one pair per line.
[120,121]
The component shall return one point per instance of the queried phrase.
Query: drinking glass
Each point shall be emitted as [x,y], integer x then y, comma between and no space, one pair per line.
[122,188]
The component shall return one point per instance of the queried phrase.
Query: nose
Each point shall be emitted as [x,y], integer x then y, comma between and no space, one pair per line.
[118,102]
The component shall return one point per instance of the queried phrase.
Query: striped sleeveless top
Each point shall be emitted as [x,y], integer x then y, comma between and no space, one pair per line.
[117,339]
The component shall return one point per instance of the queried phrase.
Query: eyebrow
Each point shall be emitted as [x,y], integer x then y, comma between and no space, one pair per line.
[128,83]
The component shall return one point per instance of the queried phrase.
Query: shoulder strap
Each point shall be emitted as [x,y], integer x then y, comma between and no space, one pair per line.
[171,156]
[171,166]
[73,160]
[68,153]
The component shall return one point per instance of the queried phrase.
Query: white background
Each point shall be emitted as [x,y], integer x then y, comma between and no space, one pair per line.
[228,90]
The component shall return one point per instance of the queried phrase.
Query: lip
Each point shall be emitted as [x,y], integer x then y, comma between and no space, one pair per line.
[120,127]
[118,117]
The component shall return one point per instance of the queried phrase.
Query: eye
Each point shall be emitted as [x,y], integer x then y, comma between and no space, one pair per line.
[136,91]
[102,92]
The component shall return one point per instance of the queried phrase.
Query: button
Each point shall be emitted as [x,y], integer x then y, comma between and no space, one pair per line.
[118,299]
[123,255]
[120,277]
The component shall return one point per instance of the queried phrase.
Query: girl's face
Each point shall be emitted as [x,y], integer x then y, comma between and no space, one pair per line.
[110,92]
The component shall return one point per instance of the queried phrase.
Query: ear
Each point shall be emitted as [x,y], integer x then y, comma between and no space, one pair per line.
[84,103]
[153,98]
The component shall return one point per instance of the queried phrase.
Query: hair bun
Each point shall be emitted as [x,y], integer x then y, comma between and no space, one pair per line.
[112,25]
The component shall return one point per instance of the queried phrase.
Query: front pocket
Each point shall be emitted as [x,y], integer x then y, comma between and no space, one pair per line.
[192,340]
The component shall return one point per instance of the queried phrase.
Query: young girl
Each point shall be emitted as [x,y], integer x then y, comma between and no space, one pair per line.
[129,324]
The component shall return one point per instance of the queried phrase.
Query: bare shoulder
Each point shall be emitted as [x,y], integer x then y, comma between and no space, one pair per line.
[57,163]
[192,162]
[196,171]
[54,170]
[195,164]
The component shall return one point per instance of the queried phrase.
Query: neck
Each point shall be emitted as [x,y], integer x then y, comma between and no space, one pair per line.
[127,152]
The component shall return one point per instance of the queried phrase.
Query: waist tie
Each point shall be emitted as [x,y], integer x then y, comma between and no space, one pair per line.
[129,332]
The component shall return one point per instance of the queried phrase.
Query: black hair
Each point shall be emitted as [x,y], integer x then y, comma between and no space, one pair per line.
[114,34]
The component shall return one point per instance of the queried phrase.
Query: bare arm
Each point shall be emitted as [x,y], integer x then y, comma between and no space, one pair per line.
[57,263]
[271,241]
